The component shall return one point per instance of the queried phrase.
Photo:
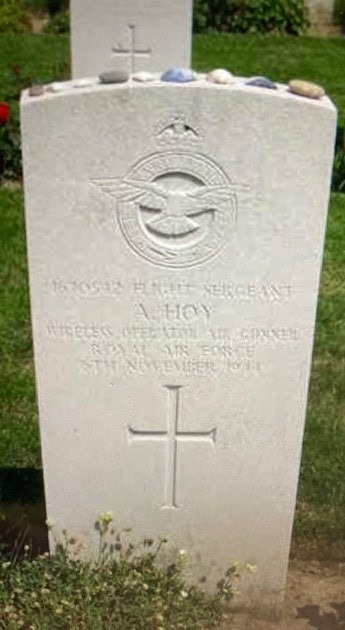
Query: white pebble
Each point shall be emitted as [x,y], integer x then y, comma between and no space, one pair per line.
[220,75]
[143,77]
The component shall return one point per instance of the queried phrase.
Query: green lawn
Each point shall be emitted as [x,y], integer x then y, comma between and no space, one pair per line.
[321,501]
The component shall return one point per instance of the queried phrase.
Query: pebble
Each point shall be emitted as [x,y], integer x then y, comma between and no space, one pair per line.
[305,88]
[114,76]
[220,75]
[143,77]
[178,75]
[262,82]
[36,89]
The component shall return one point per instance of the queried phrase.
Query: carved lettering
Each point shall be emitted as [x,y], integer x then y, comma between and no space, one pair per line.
[77,332]
[263,335]
[187,312]
[248,291]
[88,288]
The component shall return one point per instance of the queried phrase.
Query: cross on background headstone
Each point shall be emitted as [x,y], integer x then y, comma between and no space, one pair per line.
[131,52]
[172,436]
[145,35]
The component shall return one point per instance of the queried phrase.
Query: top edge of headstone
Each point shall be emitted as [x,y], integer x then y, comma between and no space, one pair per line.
[136,82]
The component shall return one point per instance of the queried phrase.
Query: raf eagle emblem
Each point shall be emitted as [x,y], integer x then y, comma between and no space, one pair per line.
[175,212]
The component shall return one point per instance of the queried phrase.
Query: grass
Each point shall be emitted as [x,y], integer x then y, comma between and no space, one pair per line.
[19,441]
[321,498]
[41,58]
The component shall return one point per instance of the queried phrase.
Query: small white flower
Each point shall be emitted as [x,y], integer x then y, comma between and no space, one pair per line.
[6,565]
[252,568]
[105,517]
[50,522]
[182,553]
[184,594]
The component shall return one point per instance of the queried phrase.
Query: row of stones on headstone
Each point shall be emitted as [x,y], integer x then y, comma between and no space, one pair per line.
[220,76]
[175,237]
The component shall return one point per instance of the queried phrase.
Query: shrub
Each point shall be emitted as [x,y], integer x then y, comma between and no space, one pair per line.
[55,6]
[339,13]
[10,147]
[35,6]
[10,150]
[59,24]
[13,17]
[251,16]
[46,6]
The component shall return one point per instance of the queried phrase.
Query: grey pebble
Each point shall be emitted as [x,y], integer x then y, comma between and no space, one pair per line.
[114,76]
[36,89]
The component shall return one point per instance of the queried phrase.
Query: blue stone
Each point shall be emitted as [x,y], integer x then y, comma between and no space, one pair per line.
[178,75]
[262,82]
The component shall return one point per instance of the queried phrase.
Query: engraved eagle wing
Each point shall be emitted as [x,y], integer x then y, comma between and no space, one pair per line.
[150,196]
[208,199]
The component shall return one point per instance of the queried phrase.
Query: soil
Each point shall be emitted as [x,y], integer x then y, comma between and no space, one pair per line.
[315,598]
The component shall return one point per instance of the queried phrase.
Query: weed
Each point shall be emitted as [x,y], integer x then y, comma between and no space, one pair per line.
[122,589]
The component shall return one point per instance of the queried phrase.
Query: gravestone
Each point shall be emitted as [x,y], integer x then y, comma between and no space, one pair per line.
[174,260]
[132,35]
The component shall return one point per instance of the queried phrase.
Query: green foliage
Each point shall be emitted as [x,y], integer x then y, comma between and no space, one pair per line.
[122,589]
[59,24]
[15,78]
[55,6]
[10,152]
[251,16]
[10,147]
[46,6]
[13,17]
[35,6]
[338,177]
[339,13]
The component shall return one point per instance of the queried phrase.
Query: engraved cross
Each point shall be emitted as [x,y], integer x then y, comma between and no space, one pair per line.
[131,52]
[172,436]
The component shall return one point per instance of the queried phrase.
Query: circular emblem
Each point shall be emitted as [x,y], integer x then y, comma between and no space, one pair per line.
[175,209]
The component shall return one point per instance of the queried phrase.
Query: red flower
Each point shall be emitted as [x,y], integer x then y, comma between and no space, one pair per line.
[4,113]
[16,69]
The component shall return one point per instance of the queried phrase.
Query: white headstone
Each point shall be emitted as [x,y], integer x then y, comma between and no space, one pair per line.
[175,255]
[133,35]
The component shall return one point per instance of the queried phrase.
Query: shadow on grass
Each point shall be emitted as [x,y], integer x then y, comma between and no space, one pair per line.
[22,512]
[21,485]
[321,620]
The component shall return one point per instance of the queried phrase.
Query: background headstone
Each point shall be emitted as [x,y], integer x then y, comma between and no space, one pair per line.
[174,260]
[131,35]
